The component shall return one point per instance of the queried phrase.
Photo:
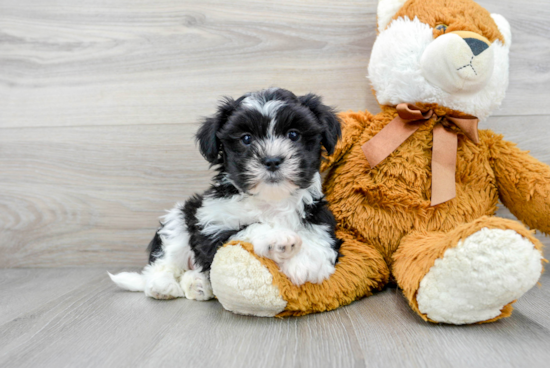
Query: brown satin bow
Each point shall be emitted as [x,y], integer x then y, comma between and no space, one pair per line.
[409,119]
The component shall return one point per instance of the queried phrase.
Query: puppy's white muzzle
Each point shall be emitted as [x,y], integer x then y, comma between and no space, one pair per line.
[458,62]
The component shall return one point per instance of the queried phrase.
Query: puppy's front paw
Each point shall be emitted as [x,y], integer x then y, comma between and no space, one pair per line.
[278,245]
[314,266]
[196,285]
[163,287]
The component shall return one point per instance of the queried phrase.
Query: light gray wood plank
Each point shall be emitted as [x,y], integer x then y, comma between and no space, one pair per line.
[22,290]
[398,337]
[530,133]
[262,342]
[139,62]
[91,195]
[529,65]
[96,324]
[142,62]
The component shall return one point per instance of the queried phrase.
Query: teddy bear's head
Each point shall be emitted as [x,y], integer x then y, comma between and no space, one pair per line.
[453,53]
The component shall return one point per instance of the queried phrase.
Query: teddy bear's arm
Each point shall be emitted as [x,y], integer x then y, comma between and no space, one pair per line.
[353,124]
[523,182]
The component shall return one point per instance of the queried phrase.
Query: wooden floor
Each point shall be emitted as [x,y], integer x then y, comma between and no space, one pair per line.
[77,318]
[99,101]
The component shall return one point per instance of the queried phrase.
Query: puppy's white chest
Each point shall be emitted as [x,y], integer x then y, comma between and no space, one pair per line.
[284,214]
[219,214]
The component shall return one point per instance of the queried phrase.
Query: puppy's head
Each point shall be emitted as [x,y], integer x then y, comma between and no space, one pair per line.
[269,143]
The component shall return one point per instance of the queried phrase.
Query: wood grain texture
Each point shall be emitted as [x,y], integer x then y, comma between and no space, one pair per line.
[71,317]
[143,62]
[92,195]
[99,102]
[129,62]
[89,196]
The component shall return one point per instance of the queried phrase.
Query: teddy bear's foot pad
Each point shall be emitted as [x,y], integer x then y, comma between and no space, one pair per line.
[476,279]
[243,285]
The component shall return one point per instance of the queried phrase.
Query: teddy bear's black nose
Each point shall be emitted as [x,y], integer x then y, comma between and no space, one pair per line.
[272,163]
[477,46]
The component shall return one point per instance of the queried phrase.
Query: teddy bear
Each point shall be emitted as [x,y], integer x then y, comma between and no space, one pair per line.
[414,188]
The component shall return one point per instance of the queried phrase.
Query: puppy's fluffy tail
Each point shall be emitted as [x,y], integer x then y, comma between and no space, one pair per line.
[132,281]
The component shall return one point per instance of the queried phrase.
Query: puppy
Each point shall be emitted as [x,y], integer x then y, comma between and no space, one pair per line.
[266,147]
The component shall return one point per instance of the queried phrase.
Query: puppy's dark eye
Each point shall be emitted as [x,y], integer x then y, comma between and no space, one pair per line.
[441,27]
[246,139]
[293,135]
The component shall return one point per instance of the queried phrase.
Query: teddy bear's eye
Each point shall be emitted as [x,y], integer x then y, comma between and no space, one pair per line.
[441,27]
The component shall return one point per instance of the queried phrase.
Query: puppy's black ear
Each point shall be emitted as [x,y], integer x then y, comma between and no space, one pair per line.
[209,143]
[327,116]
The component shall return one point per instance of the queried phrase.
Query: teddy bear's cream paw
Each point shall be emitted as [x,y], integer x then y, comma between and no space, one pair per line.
[196,285]
[243,285]
[477,278]
[163,287]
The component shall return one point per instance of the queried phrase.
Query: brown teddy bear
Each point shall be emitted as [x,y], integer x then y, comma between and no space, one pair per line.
[415,187]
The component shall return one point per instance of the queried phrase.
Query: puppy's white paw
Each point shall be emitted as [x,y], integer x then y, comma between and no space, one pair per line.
[196,285]
[278,245]
[311,265]
[163,287]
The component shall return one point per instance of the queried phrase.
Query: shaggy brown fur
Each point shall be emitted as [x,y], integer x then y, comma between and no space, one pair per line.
[384,214]
[364,200]
[419,250]
[407,241]
[458,15]
[361,271]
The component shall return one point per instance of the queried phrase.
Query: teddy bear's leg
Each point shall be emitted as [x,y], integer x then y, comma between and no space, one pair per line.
[470,274]
[246,283]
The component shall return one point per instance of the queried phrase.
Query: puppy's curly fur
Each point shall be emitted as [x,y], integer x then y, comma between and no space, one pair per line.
[267,148]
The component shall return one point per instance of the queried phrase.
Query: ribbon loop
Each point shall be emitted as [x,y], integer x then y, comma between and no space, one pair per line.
[445,143]
[395,133]
[468,126]
[412,112]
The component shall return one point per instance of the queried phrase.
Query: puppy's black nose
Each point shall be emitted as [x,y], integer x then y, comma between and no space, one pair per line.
[477,46]
[272,163]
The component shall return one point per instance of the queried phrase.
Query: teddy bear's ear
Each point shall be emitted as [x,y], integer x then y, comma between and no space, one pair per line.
[386,10]
[209,143]
[504,28]
[327,117]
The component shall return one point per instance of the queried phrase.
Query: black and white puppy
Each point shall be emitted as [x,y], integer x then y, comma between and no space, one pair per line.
[266,147]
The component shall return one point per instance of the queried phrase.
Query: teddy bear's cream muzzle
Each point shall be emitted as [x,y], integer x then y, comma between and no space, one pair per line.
[458,62]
